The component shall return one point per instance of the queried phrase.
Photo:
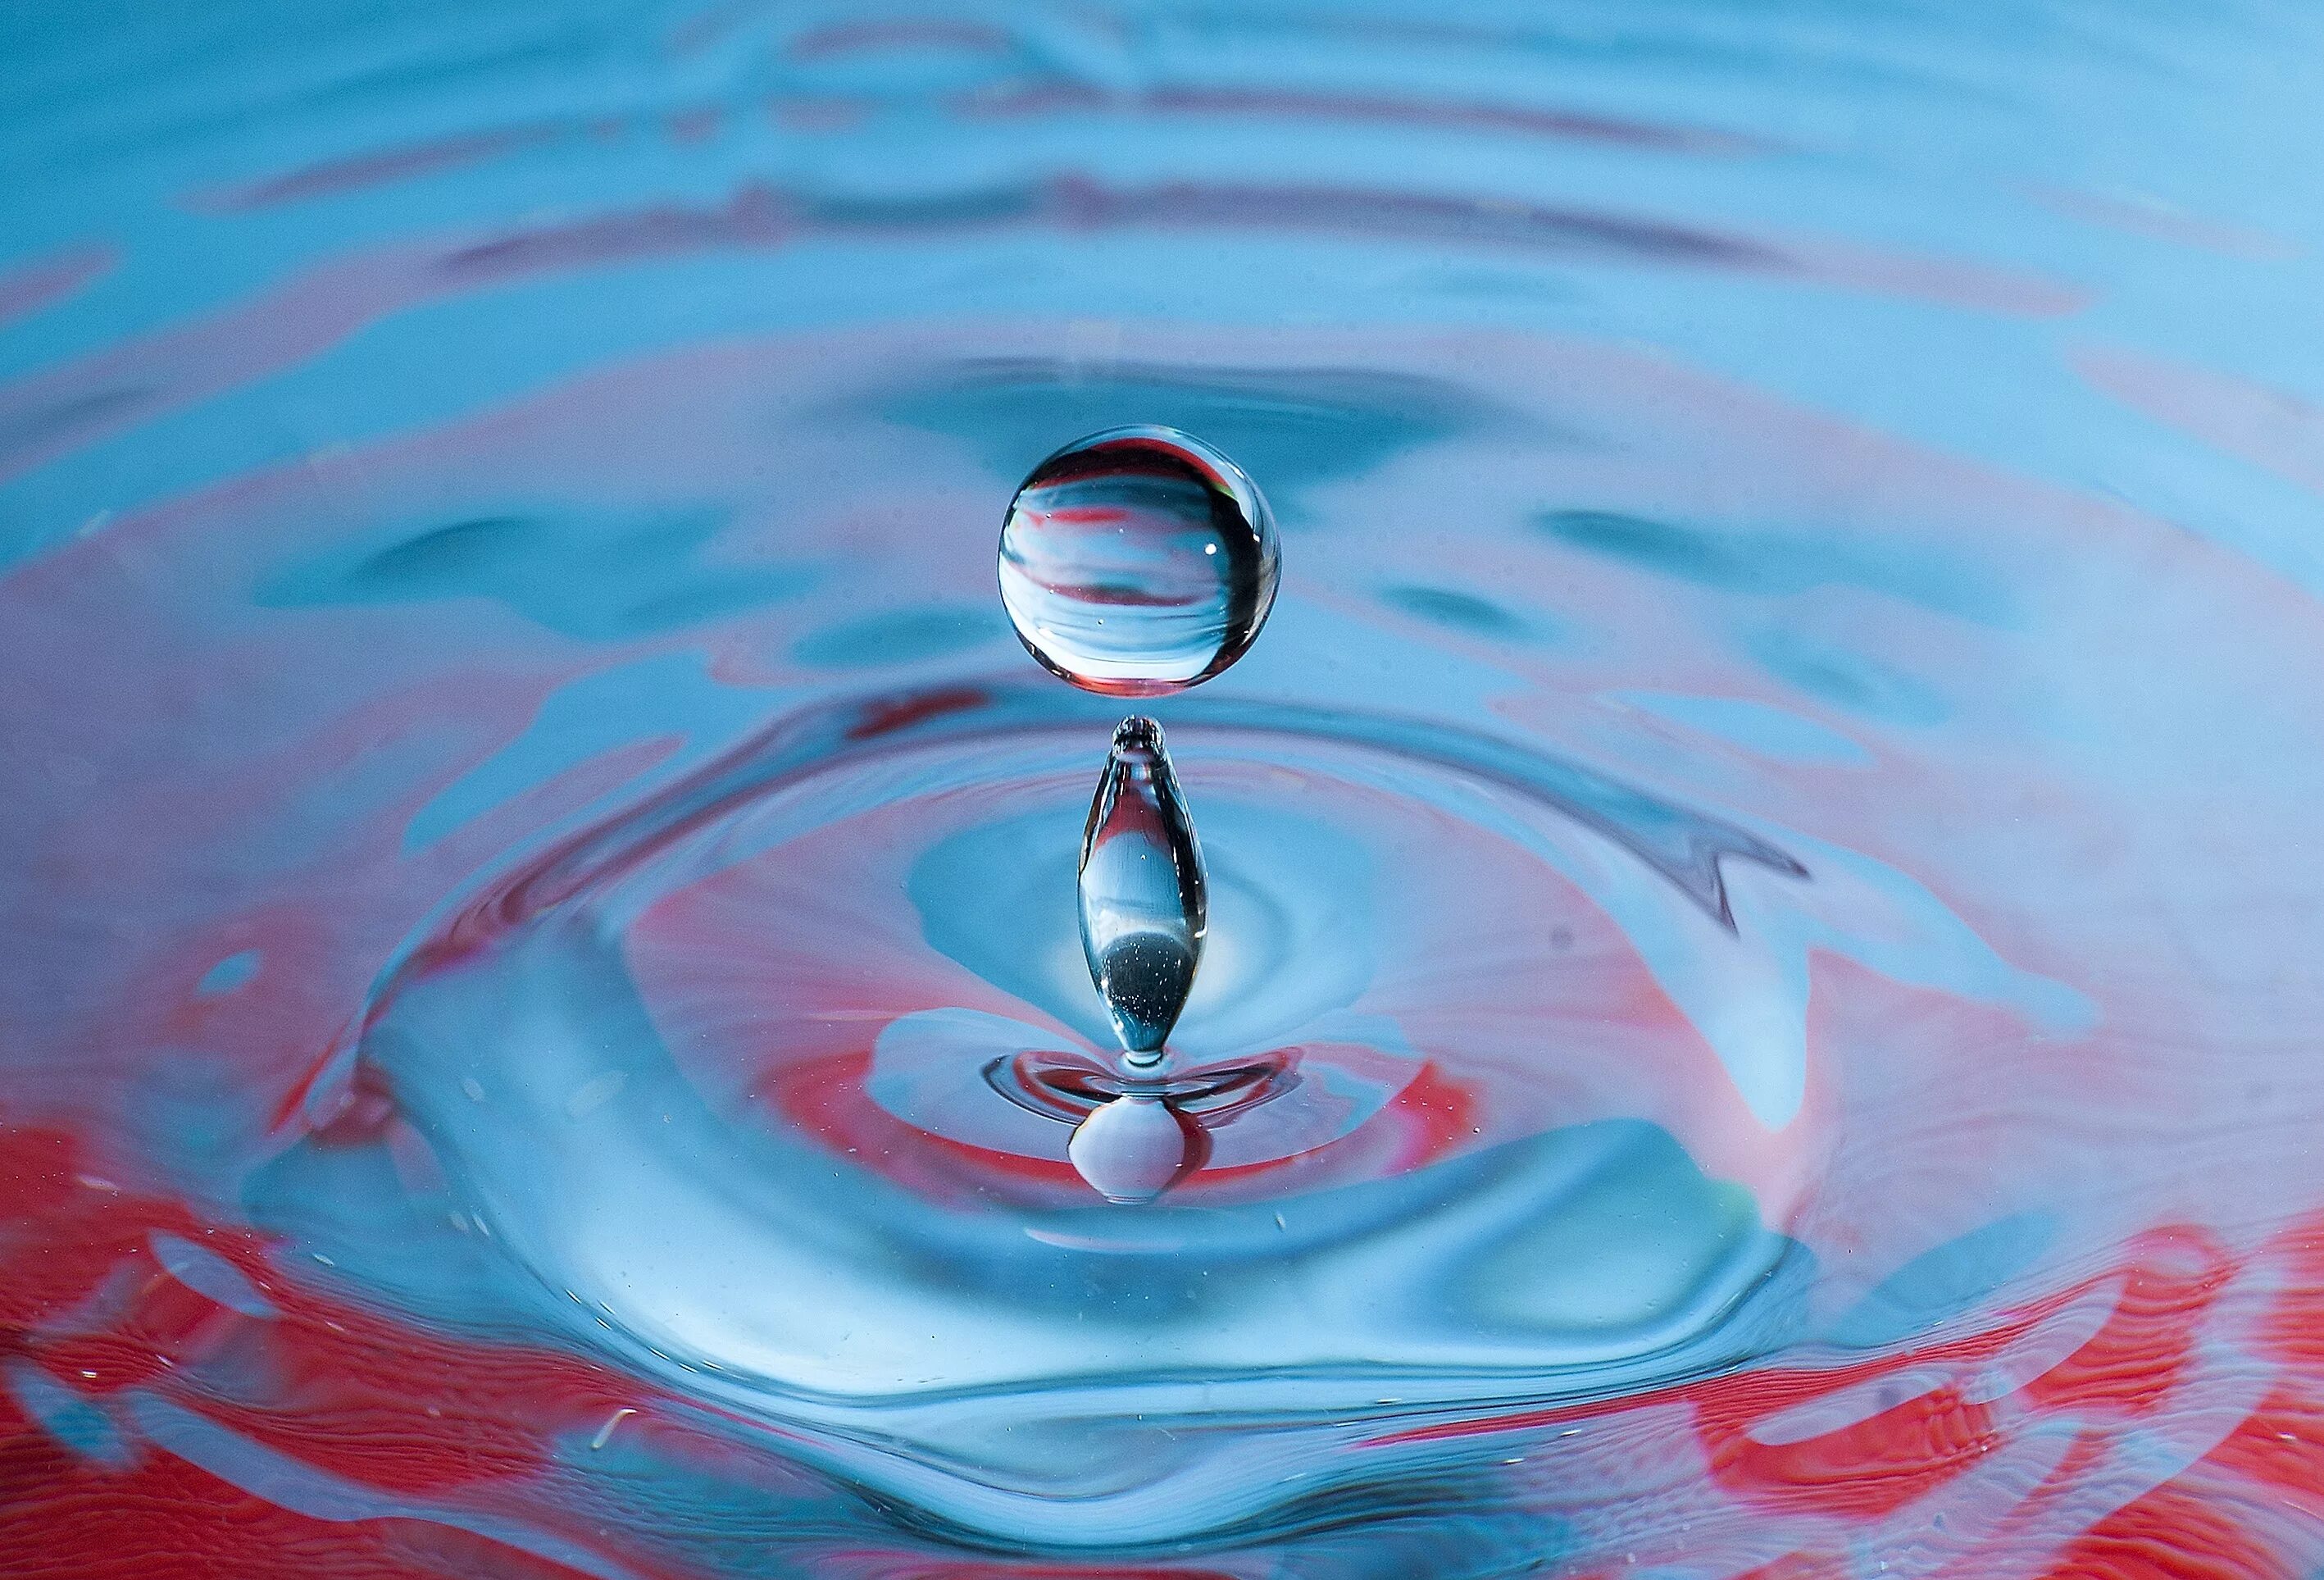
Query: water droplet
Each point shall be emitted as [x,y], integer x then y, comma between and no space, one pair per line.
[1143,903]
[1135,1147]
[1138,561]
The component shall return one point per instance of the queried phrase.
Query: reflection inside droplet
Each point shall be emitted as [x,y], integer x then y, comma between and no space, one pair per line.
[1138,561]
[1143,899]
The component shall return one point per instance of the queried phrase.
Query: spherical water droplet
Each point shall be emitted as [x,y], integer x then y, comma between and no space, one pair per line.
[1138,561]
[1135,1147]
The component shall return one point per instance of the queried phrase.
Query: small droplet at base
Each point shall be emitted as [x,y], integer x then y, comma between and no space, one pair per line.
[1136,1147]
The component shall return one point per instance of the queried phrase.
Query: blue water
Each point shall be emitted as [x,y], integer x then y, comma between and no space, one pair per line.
[1757,1002]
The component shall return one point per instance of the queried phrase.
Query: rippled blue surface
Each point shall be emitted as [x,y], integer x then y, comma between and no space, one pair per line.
[1757,1014]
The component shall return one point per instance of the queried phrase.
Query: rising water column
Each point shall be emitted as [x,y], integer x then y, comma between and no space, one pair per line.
[1139,562]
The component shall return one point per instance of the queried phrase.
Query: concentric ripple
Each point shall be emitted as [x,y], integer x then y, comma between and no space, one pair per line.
[774,1078]
[1759,1015]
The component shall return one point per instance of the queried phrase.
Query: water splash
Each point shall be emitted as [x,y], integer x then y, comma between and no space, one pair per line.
[640,1058]
[1138,561]
[1589,1189]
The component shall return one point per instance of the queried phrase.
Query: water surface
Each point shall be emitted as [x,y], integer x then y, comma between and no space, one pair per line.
[1758,1014]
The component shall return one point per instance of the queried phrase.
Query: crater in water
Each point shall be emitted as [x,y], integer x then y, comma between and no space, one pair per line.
[777,1077]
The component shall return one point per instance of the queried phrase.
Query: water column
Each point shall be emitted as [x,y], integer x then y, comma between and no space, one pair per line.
[1139,562]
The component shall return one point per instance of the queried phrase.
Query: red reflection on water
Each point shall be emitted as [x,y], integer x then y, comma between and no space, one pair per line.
[194,778]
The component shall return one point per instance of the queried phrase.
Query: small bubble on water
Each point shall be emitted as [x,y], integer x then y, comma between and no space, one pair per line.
[1138,561]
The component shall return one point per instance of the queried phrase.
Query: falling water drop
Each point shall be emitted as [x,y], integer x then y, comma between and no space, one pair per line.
[1135,1147]
[1143,901]
[1138,561]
